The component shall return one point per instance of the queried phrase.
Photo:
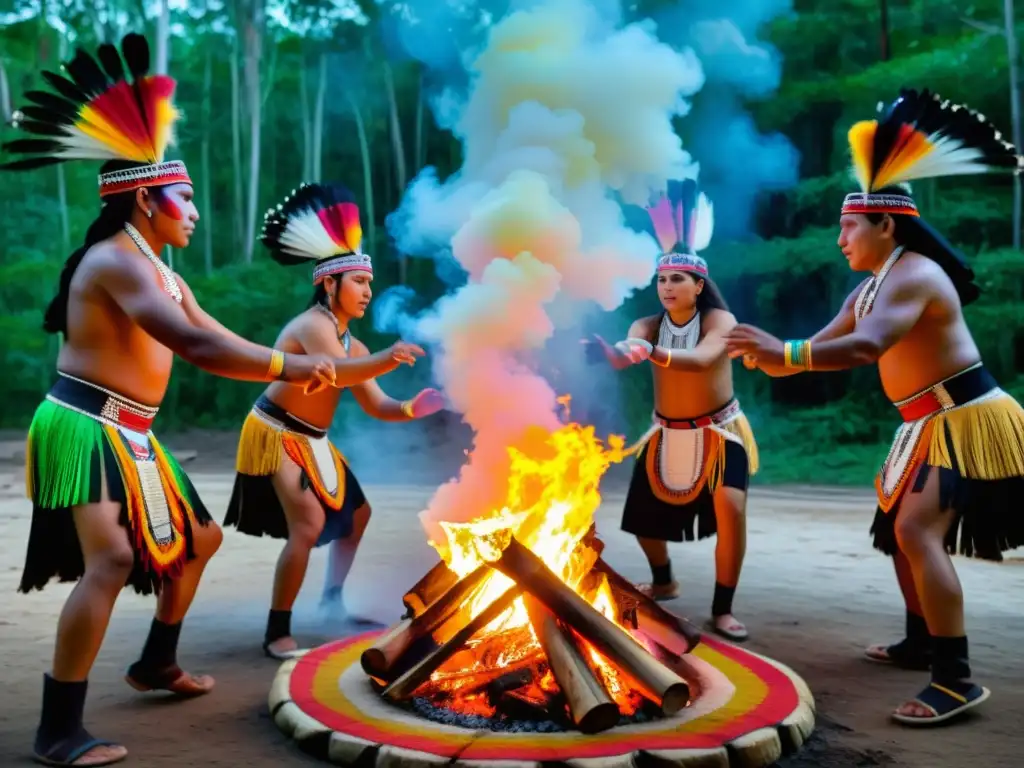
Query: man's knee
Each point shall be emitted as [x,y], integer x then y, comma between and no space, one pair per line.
[112,565]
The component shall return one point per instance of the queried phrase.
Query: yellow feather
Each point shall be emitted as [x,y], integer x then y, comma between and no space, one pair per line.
[899,166]
[93,124]
[862,137]
[163,134]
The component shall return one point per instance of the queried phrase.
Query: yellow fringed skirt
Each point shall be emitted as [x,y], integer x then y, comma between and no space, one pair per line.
[268,436]
[974,438]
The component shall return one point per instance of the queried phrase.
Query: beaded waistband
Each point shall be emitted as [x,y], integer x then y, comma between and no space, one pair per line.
[970,384]
[728,412]
[273,413]
[101,403]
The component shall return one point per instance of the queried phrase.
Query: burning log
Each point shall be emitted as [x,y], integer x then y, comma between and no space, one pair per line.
[671,631]
[438,580]
[419,673]
[660,684]
[381,658]
[591,709]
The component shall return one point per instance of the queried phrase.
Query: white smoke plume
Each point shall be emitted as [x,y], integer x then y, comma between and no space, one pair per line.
[565,112]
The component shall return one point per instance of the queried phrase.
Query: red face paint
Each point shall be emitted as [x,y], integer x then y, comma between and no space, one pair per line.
[167,206]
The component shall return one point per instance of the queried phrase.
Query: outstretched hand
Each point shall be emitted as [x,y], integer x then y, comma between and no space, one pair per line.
[622,354]
[405,352]
[754,346]
[426,403]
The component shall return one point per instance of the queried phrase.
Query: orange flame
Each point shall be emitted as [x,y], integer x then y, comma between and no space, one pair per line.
[552,497]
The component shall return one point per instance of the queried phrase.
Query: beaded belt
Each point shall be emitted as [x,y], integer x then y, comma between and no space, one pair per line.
[101,404]
[723,415]
[961,388]
[280,418]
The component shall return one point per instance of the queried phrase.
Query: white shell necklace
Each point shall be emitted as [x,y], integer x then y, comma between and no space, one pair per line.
[170,282]
[866,300]
[674,336]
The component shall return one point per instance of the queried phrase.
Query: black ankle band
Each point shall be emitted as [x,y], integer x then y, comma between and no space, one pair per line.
[662,574]
[722,602]
[917,629]
[279,624]
[62,709]
[161,648]
[950,661]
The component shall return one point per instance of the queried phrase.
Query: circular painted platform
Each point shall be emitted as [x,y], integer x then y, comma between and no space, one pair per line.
[751,711]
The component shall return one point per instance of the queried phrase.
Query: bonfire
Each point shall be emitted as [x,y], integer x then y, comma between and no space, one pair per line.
[522,625]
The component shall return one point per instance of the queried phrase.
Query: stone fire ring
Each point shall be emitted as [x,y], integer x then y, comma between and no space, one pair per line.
[751,711]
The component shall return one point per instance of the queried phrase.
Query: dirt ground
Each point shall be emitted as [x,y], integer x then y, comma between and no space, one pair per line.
[813,594]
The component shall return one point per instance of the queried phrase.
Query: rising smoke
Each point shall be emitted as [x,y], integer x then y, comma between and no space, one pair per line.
[737,162]
[566,113]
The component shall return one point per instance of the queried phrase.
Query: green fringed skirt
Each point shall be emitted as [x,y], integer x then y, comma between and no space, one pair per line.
[74,458]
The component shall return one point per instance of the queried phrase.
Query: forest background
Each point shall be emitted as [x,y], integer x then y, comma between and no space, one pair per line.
[278,92]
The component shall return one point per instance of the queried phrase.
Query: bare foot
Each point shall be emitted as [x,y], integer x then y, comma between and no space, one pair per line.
[101,754]
[659,592]
[105,755]
[182,683]
[915,709]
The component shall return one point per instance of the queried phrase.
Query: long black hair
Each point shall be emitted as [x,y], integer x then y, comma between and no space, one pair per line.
[116,211]
[917,235]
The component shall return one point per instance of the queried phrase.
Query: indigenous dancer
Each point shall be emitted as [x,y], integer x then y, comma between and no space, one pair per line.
[954,476]
[111,506]
[696,460]
[291,482]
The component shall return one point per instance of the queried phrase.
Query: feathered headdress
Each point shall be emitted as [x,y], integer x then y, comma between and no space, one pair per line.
[96,114]
[683,222]
[319,223]
[921,136]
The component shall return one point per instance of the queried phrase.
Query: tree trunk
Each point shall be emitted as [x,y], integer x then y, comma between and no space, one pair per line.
[205,160]
[236,145]
[163,23]
[364,152]
[318,120]
[1013,58]
[398,151]
[5,96]
[307,128]
[253,27]
[419,125]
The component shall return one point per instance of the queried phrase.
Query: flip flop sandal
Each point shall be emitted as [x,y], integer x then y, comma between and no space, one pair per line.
[283,655]
[944,703]
[899,655]
[738,635]
[67,751]
[175,680]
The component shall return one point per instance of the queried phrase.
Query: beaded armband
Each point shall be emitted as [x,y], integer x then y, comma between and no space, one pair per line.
[798,354]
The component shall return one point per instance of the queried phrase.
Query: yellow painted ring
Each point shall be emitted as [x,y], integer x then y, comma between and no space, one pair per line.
[756,707]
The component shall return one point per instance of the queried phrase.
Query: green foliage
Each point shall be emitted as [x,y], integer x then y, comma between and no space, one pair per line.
[789,277]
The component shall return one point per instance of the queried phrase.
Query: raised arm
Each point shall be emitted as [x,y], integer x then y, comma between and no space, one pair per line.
[319,335]
[898,306]
[373,400]
[706,354]
[129,283]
